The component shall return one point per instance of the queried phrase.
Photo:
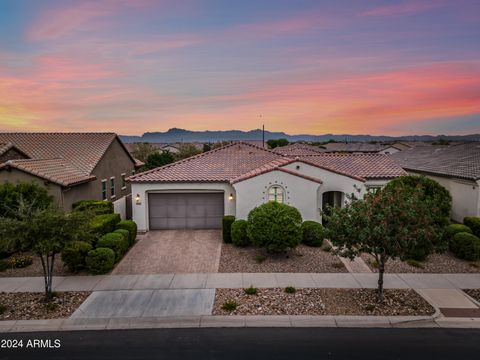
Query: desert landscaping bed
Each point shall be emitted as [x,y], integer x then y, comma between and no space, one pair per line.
[35,269]
[322,302]
[303,259]
[474,293]
[32,306]
[445,263]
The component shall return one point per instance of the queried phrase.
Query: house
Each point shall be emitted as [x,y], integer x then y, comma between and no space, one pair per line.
[456,167]
[299,149]
[232,180]
[72,166]
[362,147]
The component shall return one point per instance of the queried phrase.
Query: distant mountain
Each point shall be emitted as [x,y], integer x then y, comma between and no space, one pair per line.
[181,135]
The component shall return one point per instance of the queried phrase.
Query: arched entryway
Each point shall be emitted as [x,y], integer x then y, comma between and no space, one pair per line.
[331,199]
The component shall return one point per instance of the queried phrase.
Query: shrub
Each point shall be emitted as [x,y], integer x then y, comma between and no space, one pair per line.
[227,228]
[312,233]
[229,305]
[415,263]
[4,265]
[453,229]
[466,246]
[290,290]
[3,308]
[100,260]
[74,254]
[125,234]
[260,259]
[18,261]
[251,290]
[474,224]
[239,233]
[97,207]
[131,226]
[104,224]
[114,241]
[277,227]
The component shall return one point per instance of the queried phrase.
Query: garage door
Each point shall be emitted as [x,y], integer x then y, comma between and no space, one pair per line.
[186,211]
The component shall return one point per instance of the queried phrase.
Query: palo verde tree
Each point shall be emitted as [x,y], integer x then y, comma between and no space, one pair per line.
[386,225]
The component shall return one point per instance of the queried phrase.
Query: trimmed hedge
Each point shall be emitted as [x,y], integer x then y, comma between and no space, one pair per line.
[74,254]
[312,233]
[98,207]
[276,227]
[131,226]
[239,233]
[453,229]
[104,224]
[100,260]
[114,241]
[125,234]
[474,224]
[466,246]
[227,228]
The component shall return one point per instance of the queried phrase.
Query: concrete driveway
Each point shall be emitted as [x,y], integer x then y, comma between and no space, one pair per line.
[173,251]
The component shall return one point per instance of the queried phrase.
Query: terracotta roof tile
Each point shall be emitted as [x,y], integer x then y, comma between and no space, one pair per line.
[298,149]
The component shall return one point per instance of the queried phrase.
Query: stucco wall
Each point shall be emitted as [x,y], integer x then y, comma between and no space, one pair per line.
[140,212]
[465,196]
[300,193]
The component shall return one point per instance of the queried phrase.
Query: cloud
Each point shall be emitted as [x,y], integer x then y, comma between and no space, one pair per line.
[406,8]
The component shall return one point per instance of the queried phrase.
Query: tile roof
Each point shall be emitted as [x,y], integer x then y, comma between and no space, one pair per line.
[79,153]
[298,149]
[355,147]
[57,171]
[240,161]
[460,161]
[4,147]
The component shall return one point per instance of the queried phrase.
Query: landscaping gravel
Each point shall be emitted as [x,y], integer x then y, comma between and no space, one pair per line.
[322,302]
[303,259]
[32,306]
[474,293]
[445,263]
[35,269]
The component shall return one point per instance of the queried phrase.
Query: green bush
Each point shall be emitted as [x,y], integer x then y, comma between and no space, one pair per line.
[466,246]
[251,290]
[74,254]
[116,242]
[19,261]
[100,260]
[97,207]
[104,224]
[453,229]
[239,233]
[474,224]
[229,305]
[312,233]
[290,290]
[227,228]
[131,226]
[125,234]
[4,265]
[276,227]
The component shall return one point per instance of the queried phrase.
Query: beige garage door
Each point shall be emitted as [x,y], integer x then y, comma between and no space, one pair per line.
[185,211]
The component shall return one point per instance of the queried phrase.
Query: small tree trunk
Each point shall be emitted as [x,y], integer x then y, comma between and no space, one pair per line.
[381,271]
[45,270]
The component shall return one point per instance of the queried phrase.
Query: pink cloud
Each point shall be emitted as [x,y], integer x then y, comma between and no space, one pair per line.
[411,7]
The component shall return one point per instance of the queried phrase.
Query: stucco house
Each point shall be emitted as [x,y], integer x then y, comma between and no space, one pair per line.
[455,167]
[72,166]
[198,191]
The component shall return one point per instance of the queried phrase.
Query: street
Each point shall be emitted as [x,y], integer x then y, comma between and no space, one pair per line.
[248,343]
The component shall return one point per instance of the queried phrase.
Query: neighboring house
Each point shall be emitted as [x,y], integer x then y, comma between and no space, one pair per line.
[198,191]
[456,167]
[362,147]
[72,166]
[298,149]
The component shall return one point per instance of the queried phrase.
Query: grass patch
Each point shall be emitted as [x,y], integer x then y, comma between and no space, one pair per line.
[415,263]
[260,259]
[229,305]
[251,290]
[290,290]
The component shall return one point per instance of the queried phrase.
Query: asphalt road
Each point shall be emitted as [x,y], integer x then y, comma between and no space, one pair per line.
[253,343]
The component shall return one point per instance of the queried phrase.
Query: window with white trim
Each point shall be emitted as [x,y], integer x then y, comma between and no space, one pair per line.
[276,193]
[104,189]
[112,186]
[124,184]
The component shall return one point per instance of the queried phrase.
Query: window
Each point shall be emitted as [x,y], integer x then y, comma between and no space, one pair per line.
[104,189]
[276,193]
[124,184]
[112,186]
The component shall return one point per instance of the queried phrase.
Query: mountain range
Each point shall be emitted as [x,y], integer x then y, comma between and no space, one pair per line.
[175,135]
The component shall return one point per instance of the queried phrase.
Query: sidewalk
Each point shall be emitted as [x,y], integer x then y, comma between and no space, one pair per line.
[242,280]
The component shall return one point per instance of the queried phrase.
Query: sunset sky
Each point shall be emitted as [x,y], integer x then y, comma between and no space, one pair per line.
[130,66]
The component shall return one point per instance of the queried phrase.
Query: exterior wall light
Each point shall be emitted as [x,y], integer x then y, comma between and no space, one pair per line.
[137,200]
[230,197]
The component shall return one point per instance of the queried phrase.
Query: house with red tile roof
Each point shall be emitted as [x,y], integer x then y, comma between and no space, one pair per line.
[197,192]
[72,166]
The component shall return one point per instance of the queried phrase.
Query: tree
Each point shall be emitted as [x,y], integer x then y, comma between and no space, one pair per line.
[186,150]
[157,159]
[207,147]
[273,143]
[19,200]
[386,225]
[48,230]
[141,151]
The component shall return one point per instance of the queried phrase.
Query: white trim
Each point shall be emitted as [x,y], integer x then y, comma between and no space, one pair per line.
[104,181]
[123,176]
